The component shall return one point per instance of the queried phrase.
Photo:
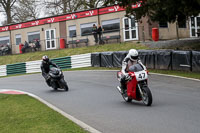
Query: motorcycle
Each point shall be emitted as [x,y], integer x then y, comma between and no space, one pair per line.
[137,85]
[57,79]
[4,50]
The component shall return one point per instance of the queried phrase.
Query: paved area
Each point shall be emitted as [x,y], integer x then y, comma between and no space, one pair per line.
[167,43]
[94,99]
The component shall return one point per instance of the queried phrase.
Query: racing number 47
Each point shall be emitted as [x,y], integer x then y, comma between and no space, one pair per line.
[141,75]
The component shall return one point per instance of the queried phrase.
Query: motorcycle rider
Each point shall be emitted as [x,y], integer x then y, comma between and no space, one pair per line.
[129,60]
[45,67]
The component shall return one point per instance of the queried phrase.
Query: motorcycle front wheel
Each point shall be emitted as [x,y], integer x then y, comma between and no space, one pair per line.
[147,96]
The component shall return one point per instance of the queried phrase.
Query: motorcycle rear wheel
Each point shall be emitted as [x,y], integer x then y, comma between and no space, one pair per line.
[147,96]
[54,85]
[65,86]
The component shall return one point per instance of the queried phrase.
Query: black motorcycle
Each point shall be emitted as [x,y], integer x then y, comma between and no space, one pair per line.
[5,50]
[57,79]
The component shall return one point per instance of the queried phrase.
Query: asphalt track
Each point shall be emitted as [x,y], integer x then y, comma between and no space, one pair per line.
[94,99]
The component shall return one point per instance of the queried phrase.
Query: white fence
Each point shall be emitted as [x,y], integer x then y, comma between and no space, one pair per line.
[83,60]
[75,61]
[33,66]
[3,71]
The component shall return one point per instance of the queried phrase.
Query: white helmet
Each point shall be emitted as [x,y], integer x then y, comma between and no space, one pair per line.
[45,59]
[133,54]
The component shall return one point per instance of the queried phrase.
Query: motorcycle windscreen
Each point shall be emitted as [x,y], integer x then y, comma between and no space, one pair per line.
[136,68]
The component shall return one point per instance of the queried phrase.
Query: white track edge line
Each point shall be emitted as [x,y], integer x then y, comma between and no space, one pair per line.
[175,76]
[149,73]
[78,122]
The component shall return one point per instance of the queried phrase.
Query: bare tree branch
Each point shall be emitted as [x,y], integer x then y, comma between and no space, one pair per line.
[25,10]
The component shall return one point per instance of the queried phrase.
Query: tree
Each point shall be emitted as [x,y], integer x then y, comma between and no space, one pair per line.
[57,7]
[162,10]
[88,4]
[7,8]
[25,10]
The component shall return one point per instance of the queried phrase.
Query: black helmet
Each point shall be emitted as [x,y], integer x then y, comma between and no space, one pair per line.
[45,59]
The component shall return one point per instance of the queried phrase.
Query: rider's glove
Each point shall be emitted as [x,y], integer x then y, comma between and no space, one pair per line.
[127,77]
[48,77]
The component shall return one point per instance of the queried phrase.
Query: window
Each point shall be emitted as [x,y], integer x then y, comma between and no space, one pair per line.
[72,31]
[198,21]
[50,39]
[194,26]
[130,29]
[86,29]
[112,25]
[33,36]
[4,40]
[18,39]
[192,22]
[163,25]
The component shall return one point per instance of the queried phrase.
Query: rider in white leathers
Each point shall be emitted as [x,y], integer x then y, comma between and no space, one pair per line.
[129,60]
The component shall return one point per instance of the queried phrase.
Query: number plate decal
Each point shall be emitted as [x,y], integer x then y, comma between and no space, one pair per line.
[142,75]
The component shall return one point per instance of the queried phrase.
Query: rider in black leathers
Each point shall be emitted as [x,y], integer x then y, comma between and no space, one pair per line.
[45,67]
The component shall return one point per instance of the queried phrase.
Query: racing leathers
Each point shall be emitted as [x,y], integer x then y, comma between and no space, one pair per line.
[45,68]
[127,62]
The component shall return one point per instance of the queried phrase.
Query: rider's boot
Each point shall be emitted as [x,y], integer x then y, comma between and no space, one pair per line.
[121,88]
[48,82]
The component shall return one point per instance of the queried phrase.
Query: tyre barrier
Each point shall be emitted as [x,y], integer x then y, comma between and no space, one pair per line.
[153,59]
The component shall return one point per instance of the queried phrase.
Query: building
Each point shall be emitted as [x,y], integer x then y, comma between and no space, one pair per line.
[77,26]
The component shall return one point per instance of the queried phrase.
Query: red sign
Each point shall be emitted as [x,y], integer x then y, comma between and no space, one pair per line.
[110,9]
[87,13]
[71,16]
[137,5]
[5,28]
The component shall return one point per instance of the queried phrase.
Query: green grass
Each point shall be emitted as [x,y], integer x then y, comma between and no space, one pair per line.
[10,59]
[24,114]
[188,74]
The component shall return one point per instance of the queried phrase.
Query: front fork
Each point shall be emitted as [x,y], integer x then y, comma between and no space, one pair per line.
[141,92]
[142,84]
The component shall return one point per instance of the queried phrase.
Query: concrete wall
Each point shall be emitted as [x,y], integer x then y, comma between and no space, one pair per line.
[78,23]
[171,33]
[119,15]
[96,20]
[145,28]
[41,29]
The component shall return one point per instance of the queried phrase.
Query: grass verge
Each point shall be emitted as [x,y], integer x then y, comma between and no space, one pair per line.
[188,74]
[10,59]
[24,114]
